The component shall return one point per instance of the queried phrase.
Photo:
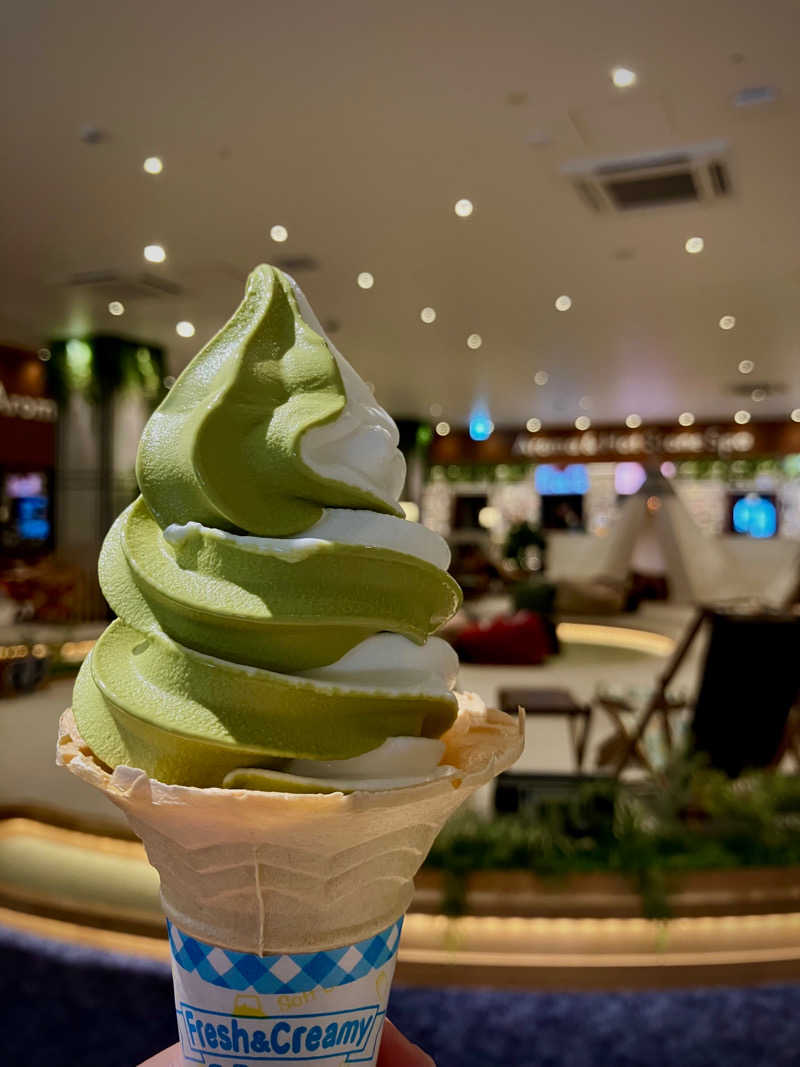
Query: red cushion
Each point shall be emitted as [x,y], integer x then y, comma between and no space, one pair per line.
[511,639]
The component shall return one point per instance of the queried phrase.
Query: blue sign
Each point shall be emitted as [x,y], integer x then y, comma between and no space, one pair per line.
[561,481]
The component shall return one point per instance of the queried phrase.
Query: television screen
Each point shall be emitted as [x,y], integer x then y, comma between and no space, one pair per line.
[753,514]
[562,512]
[551,480]
[25,511]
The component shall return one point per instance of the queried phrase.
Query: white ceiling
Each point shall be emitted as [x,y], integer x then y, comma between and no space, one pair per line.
[357,124]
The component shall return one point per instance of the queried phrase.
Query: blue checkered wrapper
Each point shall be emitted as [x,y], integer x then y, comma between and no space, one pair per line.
[284,974]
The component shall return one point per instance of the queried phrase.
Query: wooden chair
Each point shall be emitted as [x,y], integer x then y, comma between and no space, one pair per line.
[551,703]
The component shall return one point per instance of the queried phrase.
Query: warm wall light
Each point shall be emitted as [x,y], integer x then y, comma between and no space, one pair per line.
[694,245]
[463,208]
[410,510]
[154,254]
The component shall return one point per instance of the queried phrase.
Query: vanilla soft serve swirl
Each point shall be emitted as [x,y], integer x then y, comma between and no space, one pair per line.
[263,575]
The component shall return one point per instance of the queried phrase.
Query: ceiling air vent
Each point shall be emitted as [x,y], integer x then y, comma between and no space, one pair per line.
[695,174]
[125,286]
[296,264]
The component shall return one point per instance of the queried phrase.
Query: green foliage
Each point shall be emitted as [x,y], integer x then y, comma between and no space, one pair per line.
[521,536]
[102,365]
[689,819]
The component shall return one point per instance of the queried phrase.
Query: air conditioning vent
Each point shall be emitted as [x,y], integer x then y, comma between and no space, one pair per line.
[678,176]
[296,264]
[125,286]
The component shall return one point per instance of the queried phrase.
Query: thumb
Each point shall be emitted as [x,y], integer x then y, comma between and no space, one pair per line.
[398,1051]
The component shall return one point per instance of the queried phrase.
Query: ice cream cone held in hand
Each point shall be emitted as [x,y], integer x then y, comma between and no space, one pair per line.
[271,708]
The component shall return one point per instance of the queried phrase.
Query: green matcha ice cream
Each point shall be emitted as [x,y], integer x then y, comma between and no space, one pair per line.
[275,611]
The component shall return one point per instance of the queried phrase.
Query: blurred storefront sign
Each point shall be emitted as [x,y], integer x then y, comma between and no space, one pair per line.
[27,414]
[612,443]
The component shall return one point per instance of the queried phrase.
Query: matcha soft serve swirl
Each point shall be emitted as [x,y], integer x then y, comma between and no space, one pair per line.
[275,611]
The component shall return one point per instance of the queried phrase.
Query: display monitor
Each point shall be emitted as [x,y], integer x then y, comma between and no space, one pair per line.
[753,514]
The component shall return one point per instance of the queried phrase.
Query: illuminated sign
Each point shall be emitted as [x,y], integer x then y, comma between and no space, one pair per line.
[37,408]
[572,480]
[644,442]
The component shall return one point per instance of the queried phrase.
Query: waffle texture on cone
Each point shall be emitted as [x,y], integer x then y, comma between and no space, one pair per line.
[266,872]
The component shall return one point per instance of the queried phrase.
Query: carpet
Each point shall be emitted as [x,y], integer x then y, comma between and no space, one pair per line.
[75,1007]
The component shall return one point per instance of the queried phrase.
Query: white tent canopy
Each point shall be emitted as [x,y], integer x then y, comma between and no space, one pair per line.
[699,568]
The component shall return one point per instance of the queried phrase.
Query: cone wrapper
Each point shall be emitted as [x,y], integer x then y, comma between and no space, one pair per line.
[313,1007]
[286,874]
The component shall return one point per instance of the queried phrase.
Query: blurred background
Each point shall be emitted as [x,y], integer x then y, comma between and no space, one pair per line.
[561,240]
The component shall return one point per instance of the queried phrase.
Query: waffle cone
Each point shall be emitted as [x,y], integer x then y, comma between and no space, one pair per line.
[268,873]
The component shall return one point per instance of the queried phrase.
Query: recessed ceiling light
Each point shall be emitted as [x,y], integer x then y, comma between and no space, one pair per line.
[279,233]
[583,422]
[533,425]
[44,354]
[443,428]
[463,208]
[153,165]
[154,254]
[428,315]
[474,340]
[184,329]
[116,307]
[727,322]
[623,78]
[746,366]
[435,410]
[365,280]
[694,245]
[795,415]
[633,422]
[541,377]
[686,418]
[758,395]
[563,302]
[741,417]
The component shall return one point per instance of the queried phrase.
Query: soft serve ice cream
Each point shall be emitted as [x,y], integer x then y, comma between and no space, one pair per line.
[275,610]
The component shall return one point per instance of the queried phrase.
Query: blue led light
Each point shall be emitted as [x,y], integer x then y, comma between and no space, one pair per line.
[480,425]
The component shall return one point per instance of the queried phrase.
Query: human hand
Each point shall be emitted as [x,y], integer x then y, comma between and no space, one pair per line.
[396,1051]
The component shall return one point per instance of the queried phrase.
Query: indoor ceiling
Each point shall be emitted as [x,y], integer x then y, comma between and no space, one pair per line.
[357,125]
